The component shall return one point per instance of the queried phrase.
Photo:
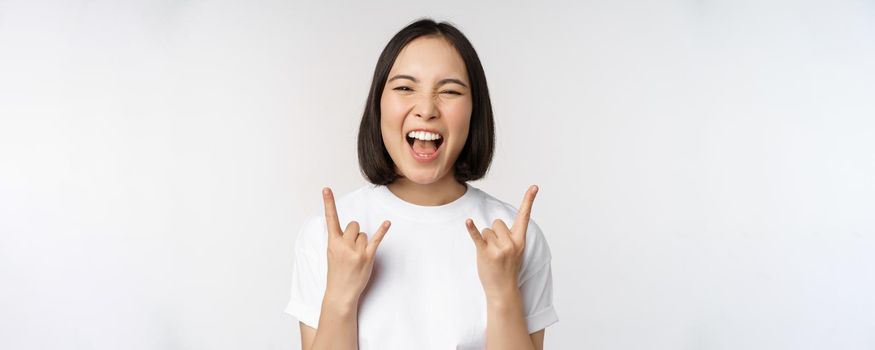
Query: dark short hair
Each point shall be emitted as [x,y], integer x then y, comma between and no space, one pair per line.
[476,156]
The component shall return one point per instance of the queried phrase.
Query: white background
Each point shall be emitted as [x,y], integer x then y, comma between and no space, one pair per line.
[707,168]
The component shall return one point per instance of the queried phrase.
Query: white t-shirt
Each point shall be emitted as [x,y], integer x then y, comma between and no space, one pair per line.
[424,291]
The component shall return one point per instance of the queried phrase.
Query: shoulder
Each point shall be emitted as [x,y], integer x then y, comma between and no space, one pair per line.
[357,199]
[506,211]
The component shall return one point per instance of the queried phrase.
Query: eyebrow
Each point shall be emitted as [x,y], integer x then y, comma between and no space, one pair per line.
[441,82]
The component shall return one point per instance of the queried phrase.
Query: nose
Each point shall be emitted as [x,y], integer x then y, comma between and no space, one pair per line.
[426,107]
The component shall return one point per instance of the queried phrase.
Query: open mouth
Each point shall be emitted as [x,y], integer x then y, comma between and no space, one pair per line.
[437,143]
[424,145]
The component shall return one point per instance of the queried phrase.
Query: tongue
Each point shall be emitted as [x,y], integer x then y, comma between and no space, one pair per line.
[424,147]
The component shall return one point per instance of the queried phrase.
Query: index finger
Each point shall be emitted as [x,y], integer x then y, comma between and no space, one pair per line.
[330,213]
[525,212]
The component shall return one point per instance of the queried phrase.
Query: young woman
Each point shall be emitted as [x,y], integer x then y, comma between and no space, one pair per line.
[436,281]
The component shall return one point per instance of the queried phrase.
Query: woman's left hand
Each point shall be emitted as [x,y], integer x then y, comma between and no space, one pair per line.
[500,250]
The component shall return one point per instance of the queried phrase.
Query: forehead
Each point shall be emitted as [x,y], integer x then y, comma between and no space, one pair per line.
[430,57]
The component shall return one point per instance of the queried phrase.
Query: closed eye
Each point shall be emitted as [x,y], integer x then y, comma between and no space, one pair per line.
[451,92]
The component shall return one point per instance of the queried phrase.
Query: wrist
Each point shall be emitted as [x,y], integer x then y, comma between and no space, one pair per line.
[340,304]
[508,297]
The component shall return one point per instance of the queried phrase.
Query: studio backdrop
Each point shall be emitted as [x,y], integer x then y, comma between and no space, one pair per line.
[706,168]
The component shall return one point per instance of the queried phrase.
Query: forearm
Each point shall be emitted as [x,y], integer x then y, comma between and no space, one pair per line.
[506,323]
[338,325]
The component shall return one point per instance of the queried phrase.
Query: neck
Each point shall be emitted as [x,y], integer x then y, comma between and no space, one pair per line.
[441,192]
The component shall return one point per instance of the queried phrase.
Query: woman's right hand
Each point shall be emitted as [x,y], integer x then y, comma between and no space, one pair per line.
[350,255]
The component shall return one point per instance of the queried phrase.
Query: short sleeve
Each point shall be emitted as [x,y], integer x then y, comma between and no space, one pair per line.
[308,274]
[536,281]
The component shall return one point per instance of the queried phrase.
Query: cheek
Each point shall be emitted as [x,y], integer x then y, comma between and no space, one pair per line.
[391,107]
[458,119]
[390,118]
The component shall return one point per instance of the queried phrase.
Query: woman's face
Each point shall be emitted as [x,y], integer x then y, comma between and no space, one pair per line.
[425,109]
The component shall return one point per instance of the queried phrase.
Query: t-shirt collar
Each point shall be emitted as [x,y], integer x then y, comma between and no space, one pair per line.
[435,213]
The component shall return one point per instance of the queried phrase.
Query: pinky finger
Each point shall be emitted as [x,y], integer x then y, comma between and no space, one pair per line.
[474,233]
[378,236]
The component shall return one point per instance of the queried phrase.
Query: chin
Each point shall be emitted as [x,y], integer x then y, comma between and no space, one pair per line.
[422,176]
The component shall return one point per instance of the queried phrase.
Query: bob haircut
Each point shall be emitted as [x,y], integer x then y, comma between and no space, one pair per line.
[476,156]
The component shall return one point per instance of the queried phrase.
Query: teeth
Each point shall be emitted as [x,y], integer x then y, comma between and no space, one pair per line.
[424,135]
